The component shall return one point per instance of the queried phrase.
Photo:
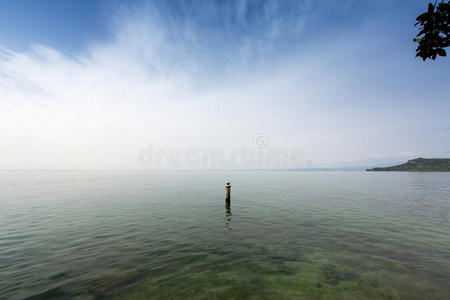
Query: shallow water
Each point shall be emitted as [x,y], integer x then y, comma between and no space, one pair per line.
[168,235]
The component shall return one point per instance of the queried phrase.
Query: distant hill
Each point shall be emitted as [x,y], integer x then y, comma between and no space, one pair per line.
[420,165]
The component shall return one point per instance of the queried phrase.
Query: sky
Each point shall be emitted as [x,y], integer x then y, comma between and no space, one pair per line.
[112,85]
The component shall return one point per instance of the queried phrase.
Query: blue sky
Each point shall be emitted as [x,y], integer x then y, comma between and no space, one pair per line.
[67,25]
[88,84]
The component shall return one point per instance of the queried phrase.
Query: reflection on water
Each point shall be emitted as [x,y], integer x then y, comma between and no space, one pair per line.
[161,235]
[228,215]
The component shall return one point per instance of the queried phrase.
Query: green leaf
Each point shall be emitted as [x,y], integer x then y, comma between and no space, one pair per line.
[441,52]
[430,8]
[422,17]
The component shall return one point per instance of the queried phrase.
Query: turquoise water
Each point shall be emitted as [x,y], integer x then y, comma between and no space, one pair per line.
[168,235]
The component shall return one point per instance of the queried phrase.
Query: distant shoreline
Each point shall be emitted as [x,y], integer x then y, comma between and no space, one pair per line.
[419,165]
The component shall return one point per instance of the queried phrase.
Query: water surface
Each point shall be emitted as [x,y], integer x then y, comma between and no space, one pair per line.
[168,235]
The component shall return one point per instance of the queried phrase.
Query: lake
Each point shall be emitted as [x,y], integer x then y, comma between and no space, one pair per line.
[168,235]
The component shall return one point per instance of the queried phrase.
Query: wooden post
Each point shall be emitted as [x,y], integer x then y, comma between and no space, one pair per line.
[227,192]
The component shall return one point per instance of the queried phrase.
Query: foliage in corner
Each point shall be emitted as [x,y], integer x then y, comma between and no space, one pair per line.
[433,36]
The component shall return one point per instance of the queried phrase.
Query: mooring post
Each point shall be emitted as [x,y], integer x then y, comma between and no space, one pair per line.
[227,192]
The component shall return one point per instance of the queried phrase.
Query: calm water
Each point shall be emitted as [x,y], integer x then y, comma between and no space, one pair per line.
[168,235]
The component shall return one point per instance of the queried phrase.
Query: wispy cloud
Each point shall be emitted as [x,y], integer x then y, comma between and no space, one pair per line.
[203,74]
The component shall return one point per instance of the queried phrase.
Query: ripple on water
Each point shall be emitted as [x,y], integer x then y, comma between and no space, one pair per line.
[168,235]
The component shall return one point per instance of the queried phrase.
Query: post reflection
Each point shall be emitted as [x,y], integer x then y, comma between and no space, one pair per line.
[228,216]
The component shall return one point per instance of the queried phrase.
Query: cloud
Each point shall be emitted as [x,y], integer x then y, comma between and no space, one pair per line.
[199,75]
